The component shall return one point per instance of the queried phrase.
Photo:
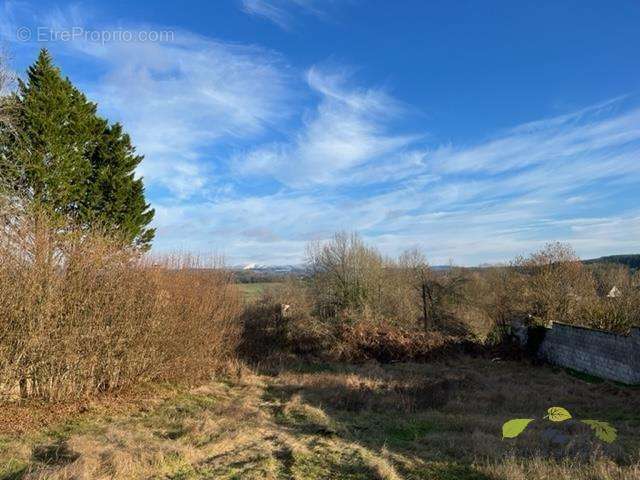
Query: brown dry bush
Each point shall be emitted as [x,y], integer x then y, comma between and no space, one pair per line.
[357,305]
[351,336]
[618,313]
[556,283]
[80,313]
[550,285]
[613,314]
[385,343]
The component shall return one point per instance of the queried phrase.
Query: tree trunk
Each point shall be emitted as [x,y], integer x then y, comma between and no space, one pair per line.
[425,318]
[24,392]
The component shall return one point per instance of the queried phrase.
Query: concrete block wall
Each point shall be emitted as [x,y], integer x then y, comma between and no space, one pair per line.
[597,352]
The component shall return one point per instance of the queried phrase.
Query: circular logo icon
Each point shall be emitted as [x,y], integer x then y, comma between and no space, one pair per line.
[23,34]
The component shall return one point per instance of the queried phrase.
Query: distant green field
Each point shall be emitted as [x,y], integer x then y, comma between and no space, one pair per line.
[252,291]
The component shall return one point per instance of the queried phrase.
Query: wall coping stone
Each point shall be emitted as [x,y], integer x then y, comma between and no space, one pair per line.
[635,331]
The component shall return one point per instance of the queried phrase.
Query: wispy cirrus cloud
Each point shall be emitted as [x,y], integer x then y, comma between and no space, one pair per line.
[561,138]
[247,156]
[571,178]
[269,10]
[349,127]
[282,12]
[179,96]
[182,97]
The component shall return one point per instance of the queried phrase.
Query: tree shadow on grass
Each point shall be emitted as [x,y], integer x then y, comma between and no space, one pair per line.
[56,454]
[407,415]
[373,430]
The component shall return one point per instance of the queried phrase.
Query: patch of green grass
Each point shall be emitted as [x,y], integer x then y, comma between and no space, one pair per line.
[4,442]
[75,426]
[13,469]
[253,291]
[408,431]
[177,467]
[447,471]
[170,414]
[330,464]
[307,419]
[375,428]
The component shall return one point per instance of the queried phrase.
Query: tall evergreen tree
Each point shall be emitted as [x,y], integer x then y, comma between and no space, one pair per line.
[69,161]
[55,130]
[115,198]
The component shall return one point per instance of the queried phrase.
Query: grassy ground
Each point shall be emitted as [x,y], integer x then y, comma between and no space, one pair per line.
[253,291]
[299,421]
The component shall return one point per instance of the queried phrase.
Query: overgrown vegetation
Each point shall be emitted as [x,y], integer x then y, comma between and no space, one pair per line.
[81,314]
[358,305]
[83,310]
[302,421]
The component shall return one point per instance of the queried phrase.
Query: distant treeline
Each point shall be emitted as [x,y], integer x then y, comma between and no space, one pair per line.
[267,275]
[631,261]
[260,277]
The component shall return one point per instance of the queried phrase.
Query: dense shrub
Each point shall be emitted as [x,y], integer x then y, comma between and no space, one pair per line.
[358,305]
[614,314]
[284,320]
[556,283]
[346,274]
[80,314]
[386,343]
[349,276]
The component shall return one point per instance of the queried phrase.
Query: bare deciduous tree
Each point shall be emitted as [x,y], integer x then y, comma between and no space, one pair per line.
[346,273]
[435,290]
[557,282]
[6,81]
[420,275]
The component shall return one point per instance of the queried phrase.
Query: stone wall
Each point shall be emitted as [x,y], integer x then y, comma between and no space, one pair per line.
[597,352]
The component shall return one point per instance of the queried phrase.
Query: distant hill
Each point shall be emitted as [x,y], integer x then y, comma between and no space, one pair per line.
[631,261]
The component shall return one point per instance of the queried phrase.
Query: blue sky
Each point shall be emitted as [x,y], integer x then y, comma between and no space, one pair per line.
[476,131]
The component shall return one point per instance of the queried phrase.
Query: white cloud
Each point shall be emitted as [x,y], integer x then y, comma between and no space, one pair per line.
[177,97]
[474,204]
[268,10]
[282,12]
[542,142]
[349,128]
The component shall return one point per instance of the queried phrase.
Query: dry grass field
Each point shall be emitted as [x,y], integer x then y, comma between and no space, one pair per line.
[291,420]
